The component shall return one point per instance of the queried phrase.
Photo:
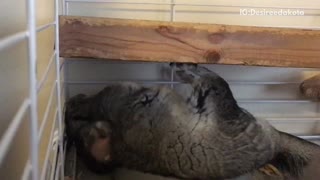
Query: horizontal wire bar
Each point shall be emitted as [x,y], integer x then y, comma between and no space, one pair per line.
[124,62]
[262,82]
[289,120]
[121,62]
[188,4]
[230,12]
[46,73]
[45,26]
[12,129]
[292,27]
[73,60]
[119,81]
[47,111]
[49,146]
[310,137]
[12,40]
[292,119]
[178,82]
[214,11]
[273,101]
[117,2]
[26,171]
[231,82]
[18,37]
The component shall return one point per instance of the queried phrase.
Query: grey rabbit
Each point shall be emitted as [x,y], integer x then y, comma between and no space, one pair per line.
[204,135]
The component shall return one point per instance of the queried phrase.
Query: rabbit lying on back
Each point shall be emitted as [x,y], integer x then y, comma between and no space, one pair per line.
[205,135]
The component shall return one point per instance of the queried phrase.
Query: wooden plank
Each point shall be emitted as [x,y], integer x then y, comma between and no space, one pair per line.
[138,40]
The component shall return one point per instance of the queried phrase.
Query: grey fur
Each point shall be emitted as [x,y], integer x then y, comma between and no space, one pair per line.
[205,135]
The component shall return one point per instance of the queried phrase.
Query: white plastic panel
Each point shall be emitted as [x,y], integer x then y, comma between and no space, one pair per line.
[18,154]
[204,11]
[12,21]
[266,92]
[14,80]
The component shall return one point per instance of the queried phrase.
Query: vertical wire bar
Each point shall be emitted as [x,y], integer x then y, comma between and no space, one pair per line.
[66,84]
[173,11]
[172,18]
[67,8]
[53,174]
[74,172]
[172,76]
[60,139]
[63,5]
[56,177]
[26,171]
[64,154]
[32,49]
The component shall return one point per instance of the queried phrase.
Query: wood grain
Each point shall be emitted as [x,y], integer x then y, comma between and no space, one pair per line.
[139,40]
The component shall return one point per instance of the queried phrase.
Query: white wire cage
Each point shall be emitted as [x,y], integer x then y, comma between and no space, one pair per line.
[32,170]
[66,85]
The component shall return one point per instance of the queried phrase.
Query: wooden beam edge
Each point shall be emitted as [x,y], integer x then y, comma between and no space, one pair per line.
[158,41]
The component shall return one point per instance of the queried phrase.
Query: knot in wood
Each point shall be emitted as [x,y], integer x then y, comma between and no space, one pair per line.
[163,29]
[216,38]
[212,56]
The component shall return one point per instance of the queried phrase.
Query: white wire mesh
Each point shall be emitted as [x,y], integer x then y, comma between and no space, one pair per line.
[32,169]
